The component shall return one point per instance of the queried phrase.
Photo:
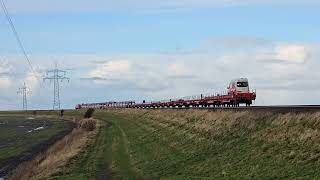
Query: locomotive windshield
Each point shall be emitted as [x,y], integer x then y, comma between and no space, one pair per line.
[242,84]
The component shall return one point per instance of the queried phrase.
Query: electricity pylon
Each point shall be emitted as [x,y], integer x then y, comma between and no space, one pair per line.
[24,91]
[56,75]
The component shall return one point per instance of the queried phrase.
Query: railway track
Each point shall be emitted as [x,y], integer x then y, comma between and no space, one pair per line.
[282,108]
[285,108]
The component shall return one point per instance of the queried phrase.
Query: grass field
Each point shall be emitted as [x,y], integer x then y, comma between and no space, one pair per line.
[20,140]
[197,144]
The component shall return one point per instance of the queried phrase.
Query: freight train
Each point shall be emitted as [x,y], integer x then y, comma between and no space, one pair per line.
[238,93]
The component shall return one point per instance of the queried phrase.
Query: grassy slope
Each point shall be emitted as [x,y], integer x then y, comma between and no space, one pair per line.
[200,144]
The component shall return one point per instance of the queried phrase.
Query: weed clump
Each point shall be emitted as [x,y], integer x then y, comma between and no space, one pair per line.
[89,113]
[88,124]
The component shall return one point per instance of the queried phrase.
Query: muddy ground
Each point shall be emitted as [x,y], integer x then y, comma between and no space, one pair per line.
[14,135]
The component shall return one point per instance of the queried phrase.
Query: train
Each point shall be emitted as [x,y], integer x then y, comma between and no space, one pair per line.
[238,93]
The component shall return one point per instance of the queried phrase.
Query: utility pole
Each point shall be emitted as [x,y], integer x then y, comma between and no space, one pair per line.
[56,75]
[24,91]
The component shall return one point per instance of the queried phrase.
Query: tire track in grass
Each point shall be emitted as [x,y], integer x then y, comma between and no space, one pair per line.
[122,154]
[153,148]
[92,162]
[107,157]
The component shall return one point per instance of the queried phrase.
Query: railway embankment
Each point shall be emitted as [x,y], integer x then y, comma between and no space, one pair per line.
[188,144]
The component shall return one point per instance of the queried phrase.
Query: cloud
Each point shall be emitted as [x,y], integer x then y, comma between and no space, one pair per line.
[94,79]
[181,77]
[294,53]
[5,68]
[32,81]
[286,53]
[111,70]
[4,83]
[45,6]
[5,74]
[157,76]
[177,71]
[237,42]
[99,62]
[175,75]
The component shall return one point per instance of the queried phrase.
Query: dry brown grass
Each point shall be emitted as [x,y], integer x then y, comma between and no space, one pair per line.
[292,127]
[274,127]
[215,122]
[88,124]
[56,157]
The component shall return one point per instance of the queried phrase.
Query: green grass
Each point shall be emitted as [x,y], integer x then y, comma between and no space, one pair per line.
[107,156]
[146,145]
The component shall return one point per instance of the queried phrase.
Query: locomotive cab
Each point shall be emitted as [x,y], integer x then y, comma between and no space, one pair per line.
[78,106]
[239,86]
[240,92]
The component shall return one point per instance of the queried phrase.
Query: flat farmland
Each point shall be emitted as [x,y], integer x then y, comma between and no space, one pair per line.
[23,136]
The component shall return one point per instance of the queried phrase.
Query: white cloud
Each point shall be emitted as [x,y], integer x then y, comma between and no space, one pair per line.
[4,82]
[178,70]
[157,76]
[285,60]
[237,42]
[161,76]
[136,5]
[33,82]
[111,70]
[5,73]
[286,53]
[292,53]
[5,68]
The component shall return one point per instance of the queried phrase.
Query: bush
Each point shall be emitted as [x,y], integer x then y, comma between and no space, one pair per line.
[89,113]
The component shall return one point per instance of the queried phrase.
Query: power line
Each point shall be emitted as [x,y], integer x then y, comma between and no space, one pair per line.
[16,35]
[24,91]
[56,75]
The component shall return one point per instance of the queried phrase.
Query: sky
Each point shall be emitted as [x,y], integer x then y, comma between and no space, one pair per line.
[153,50]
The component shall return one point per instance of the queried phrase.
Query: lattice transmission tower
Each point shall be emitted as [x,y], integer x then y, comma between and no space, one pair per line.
[56,75]
[24,91]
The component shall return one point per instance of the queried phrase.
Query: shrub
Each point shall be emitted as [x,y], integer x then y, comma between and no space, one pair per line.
[89,113]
